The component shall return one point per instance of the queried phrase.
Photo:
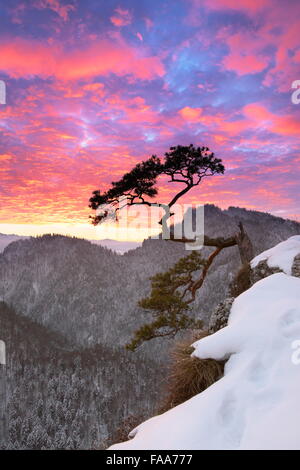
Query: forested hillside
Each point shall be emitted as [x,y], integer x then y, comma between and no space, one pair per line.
[89,293]
[59,398]
[69,307]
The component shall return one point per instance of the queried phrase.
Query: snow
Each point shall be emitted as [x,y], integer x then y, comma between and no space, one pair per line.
[281,255]
[256,404]
[2,352]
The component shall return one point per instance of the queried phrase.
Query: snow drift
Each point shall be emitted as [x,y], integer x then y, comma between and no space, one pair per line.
[280,256]
[256,404]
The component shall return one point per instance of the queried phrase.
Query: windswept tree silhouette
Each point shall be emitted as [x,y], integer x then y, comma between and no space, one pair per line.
[172,291]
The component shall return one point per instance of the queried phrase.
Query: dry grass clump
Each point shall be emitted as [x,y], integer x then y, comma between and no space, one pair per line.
[189,375]
[121,433]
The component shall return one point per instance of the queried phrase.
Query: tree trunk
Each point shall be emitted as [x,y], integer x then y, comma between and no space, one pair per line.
[244,245]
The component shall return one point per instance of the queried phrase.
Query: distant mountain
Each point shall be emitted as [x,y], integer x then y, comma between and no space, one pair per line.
[120,247]
[78,296]
[84,291]
[5,240]
[89,293]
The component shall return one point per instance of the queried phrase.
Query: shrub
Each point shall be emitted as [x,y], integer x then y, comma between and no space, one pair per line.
[189,375]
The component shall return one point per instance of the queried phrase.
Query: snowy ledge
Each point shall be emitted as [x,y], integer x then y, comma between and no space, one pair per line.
[281,255]
[256,404]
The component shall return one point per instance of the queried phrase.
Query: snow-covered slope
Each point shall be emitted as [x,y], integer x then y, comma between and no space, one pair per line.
[256,404]
[281,255]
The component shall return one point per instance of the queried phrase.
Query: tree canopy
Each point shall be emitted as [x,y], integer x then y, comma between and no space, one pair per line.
[183,164]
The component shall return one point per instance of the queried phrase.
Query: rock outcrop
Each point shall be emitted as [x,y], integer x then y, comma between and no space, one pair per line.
[219,317]
[249,275]
[296,266]
[261,271]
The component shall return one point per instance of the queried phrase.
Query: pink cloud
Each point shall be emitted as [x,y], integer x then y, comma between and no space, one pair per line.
[285,71]
[121,17]
[54,5]
[281,31]
[261,117]
[256,116]
[149,23]
[245,64]
[258,112]
[221,126]
[134,110]
[278,30]
[251,6]
[245,55]
[17,13]
[21,58]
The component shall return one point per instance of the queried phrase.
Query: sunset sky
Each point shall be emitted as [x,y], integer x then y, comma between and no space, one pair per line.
[95,86]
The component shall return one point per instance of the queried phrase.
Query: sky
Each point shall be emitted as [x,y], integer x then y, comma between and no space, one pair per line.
[94,87]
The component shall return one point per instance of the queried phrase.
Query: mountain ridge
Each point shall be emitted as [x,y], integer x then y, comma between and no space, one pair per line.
[90,293]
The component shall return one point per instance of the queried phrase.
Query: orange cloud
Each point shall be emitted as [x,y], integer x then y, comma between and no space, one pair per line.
[5,156]
[190,114]
[94,87]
